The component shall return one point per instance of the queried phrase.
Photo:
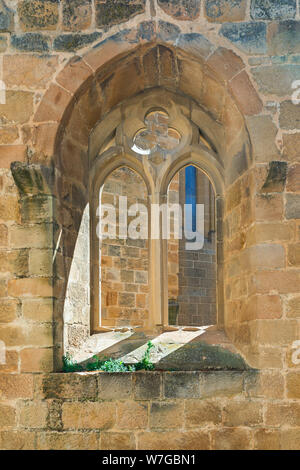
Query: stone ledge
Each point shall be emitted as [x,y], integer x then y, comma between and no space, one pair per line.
[103,386]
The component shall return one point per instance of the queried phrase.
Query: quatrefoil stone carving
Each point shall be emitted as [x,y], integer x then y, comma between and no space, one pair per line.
[157,136]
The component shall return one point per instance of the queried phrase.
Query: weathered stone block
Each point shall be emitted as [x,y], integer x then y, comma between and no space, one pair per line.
[117,441]
[126,299]
[283,282]
[291,145]
[284,38]
[174,440]
[54,104]
[17,440]
[88,415]
[293,385]
[167,31]
[195,43]
[276,178]
[250,38]
[273,9]
[109,12]
[67,441]
[8,310]
[267,384]
[289,439]
[6,18]
[276,79]
[289,115]
[262,129]
[33,414]
[115,386]
[225,63]
[72,42]
[222,10]
[81,387]
[35,209]
[267,439]
[245,94]
[268,306]
[40,287]
[146,31]
[276,332]
[181,9]
[14,262]
[166,415]
[181,385]
[28,70]
[8,135]
[38,14]
[3,43]
[30,42]
[132,415]
[293,181]
[294,254]
[281,414]
[267,256]
[147,385]
[239,413]
[74,74]
[269,207]
[38,236]
[77,14]
[18,107]
[231,439]
[16,386]
[292,208]
[221,383]
[293,308]
[7,416]
[202,413]
[37,360]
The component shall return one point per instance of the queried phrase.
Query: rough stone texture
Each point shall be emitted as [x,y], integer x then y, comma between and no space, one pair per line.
[181,9]
[6,17]
[30,42]
[273,9]
[289,115]
[72,42]
[276,178]
[110,12]
[37,14]
[283,38]
[77,14]
[276,79]
[292,208]
[221,11]
[250,38]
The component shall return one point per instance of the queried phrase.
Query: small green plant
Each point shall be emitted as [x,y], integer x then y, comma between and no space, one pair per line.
[94,364]
[109,365]
[69,365]
[145,363]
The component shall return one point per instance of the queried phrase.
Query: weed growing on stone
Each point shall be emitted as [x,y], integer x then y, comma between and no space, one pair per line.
[109,365]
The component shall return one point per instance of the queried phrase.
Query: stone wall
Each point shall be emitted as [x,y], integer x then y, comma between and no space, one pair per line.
[155,410]
[65,66]
[124,263]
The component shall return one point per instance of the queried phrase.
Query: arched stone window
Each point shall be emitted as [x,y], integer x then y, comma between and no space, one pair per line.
[155,132]
[137,154]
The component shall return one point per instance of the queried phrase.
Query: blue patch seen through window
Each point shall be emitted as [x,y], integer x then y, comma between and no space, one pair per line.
[191,191]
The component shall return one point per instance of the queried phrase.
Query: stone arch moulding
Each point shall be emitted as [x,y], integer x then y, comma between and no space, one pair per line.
[92,86]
